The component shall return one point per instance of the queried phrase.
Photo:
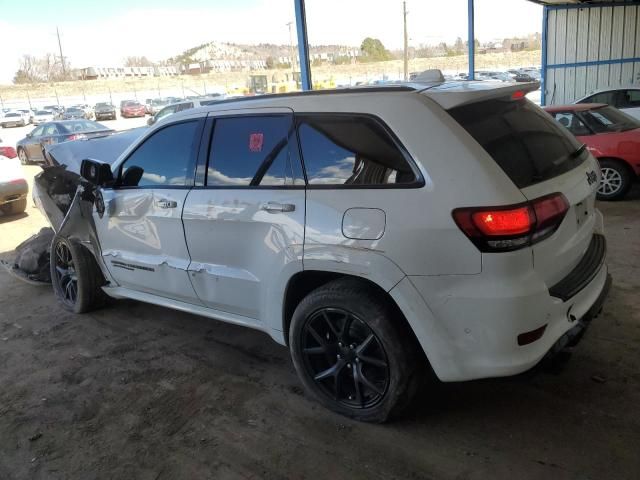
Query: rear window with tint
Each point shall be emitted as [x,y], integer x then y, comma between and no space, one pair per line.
[351,150]
[523,140]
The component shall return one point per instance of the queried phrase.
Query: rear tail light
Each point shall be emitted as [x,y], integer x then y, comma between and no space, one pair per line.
[8,152]
[76,136]
[506,228]
[18,181]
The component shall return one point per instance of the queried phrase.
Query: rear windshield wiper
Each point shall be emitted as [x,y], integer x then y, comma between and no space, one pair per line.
[579,151]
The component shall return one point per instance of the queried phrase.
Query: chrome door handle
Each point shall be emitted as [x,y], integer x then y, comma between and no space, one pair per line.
[273,207]
[166,204]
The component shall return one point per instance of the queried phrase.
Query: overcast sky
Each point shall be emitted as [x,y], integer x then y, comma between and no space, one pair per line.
[104,33]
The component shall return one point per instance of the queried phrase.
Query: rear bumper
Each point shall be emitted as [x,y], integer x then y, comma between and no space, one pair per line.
[573,336]
[468,325]
[10,192]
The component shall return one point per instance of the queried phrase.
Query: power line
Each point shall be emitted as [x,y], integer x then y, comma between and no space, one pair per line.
[64,70]
[293,65]
[406,42]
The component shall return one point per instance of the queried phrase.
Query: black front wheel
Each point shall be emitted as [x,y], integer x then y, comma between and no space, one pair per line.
[351,351]
[75,276]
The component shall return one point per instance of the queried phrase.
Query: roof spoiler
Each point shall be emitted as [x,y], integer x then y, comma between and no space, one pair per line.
[456,94]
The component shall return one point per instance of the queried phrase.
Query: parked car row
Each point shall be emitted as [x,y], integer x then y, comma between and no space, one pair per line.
[30,148]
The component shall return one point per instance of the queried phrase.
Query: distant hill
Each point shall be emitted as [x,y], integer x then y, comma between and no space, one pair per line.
[262,51]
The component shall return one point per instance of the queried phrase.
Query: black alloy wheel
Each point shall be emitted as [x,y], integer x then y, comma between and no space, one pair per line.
[66,274]
[345,358]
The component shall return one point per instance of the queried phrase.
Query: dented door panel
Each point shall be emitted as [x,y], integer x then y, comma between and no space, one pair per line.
[143,243]
[241,252]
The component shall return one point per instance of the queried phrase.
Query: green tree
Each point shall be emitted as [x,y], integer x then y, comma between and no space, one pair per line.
[270,62]
[373,49]
[459,46]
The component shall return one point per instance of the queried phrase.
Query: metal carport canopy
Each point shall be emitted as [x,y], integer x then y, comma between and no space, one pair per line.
[303,42]
[303,39]
[574,61]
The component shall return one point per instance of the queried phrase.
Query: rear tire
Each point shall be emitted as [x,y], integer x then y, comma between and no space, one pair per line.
[616,180]
[351,352]
[75,276]
[14,208]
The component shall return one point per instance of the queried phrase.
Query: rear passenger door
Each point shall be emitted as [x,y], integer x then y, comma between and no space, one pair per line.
[244,224]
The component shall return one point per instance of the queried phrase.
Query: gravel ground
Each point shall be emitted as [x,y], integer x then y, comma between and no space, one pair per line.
[141,392]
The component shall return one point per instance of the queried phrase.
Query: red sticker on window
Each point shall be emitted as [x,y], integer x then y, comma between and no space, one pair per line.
[255,142]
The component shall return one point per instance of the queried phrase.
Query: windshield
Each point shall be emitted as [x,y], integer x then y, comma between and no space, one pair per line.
[73,110]
[521,138]
[12,115]
[43,112]
[98,105]
[609,119]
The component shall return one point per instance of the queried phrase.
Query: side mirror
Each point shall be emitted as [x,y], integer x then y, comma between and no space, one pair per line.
[95,172]
[151,121]
[29,135]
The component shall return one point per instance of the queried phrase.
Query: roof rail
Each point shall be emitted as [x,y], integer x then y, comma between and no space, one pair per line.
[334,91]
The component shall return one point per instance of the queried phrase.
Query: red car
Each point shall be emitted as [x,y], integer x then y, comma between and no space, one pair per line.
[613,137]
[133,109]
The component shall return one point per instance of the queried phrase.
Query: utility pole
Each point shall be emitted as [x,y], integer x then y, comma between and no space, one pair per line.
[64,70]
[406,43]
[291,56]
[1,104]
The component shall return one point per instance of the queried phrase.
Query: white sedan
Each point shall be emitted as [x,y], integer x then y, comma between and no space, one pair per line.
[42,116]
[13,187]
[13,119]
[626,99]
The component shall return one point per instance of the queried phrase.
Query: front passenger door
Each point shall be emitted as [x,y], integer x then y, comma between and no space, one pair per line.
[141,234]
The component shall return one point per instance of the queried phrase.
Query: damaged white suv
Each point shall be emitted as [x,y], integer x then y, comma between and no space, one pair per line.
[373,231]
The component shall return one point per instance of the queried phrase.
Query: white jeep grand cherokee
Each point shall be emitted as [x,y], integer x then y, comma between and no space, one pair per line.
[373,231]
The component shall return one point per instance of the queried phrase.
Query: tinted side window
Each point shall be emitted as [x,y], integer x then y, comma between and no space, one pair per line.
[252,151]
[37,132]
[184,106]
[164,159]
[609,98]
[572,122]
[350,150]
[631,99]
[50,129]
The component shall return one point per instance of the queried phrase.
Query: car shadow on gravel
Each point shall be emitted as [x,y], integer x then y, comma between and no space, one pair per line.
[12,218]
[139,391]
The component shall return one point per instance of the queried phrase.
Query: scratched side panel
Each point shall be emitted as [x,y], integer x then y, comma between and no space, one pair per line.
[143,244]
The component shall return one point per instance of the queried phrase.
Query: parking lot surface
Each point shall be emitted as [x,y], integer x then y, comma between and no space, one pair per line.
[138,391]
